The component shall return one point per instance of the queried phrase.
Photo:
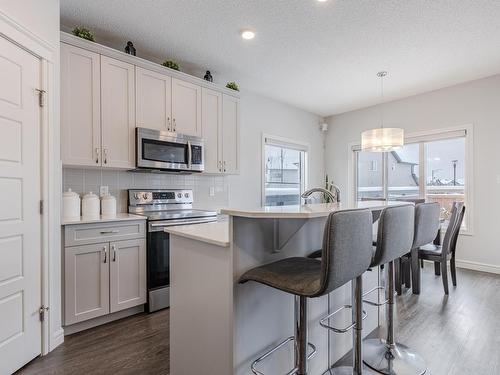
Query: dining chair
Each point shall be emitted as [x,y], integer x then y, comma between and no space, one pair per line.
[442,254]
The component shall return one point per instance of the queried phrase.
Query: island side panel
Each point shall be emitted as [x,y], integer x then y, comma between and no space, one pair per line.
[201,300]
[263,316]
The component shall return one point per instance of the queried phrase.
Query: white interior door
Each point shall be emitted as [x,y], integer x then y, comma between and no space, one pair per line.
[20,329]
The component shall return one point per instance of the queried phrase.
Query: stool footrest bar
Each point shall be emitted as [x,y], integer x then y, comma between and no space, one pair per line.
[323,323]
[377,304]
[276,348]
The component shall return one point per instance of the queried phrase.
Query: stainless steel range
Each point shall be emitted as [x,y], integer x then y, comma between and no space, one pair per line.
[163,208]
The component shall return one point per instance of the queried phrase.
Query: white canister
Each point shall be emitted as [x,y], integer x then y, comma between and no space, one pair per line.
[108,205]
[90,206]
[71,205]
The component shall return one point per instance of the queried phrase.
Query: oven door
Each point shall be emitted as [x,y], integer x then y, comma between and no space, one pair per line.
[168,151]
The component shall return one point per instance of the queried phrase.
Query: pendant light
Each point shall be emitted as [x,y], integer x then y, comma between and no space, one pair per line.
[382,139]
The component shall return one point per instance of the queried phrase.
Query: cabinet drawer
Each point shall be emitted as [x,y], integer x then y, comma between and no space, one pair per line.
[84,234]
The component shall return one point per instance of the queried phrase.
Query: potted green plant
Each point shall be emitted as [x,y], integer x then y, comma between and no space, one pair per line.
[171,64]
[233,86]
[83,33]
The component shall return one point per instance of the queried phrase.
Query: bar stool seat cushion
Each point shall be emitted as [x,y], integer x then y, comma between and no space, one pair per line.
[297,275]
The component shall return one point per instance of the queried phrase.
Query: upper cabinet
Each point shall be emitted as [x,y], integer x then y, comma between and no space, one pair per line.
[153,99]
[117,114]
[230,134]
[106,94]
[186,108]
[80,107]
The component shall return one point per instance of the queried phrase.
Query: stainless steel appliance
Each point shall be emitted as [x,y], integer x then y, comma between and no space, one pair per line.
[163,208]
[167,151]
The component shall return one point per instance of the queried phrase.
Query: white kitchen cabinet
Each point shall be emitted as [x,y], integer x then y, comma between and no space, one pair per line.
[104,269]
[117,113]
[211,110]
[86,282]
[80,107]
[127,274]
[186,108]
[230,134]
[153,100]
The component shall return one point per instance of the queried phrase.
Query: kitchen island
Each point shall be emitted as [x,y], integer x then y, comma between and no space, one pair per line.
[219,327]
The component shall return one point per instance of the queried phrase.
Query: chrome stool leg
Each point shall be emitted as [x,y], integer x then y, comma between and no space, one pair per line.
[358,315]
[387,356]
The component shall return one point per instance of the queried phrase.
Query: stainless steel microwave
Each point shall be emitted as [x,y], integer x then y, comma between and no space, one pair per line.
[167,151]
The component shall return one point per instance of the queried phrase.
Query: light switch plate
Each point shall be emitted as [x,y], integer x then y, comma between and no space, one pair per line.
[103,190]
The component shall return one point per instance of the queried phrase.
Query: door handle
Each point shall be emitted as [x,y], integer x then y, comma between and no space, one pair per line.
[105,254]
[97,155]
[113,247]
[169,125]
[219,165]
[109,231]
[190,154]
[105,155]
[224,165]
[175,126]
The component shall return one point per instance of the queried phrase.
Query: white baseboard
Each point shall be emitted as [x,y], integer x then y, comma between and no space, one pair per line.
[57,339]
[476,266]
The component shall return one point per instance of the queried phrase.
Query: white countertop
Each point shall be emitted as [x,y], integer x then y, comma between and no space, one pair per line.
[103,219]
[215,233]
[305,211]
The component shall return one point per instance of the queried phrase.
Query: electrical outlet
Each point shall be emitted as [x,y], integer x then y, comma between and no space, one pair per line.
[212,191]
[103,190]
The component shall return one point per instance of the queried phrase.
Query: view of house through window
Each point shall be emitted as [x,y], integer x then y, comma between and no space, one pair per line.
[284,173]
[397,175]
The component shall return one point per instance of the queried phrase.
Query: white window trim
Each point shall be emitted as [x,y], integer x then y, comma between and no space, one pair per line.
[428,135]
[282,142]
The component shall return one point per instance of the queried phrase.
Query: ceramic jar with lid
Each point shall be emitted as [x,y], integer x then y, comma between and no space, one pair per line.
[91,206]
[71,205]
[108,205]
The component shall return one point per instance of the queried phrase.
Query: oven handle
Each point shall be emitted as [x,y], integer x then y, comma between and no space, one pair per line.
[155,227]
[190,155]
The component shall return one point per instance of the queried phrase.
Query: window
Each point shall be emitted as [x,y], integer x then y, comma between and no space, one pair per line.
[431,166]
[284,171]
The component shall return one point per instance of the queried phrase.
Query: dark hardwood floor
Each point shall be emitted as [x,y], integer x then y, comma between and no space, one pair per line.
[136,345]
[457,335]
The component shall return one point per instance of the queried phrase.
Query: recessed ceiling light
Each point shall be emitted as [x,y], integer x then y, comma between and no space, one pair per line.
[247,34]
[322,1]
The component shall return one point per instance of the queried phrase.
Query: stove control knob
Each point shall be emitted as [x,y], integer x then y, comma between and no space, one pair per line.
[186,195]
[179,195]
[137,196]
[145,196]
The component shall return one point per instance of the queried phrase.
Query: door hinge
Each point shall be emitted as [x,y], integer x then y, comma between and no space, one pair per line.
[41,312]
[41,97]
[41,207]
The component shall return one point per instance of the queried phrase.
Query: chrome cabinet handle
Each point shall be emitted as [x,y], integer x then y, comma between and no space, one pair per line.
[190,154]
[169,124]
[109,231]
[105,254]
[224,165]
[113,247]
[175,126]
[219,166]
[105,155]
[97,155]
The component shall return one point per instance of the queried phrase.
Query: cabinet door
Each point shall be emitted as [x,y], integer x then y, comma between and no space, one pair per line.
[117,113]
[80,107]
[230,134]
[186,108]
[86,282]
[211,123]
[153,100]
[127,274]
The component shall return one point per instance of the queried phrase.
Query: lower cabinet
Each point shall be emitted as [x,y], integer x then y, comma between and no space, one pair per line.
[103,278]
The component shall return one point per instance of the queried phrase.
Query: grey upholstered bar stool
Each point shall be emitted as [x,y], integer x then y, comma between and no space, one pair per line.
[395,238]
[346,255]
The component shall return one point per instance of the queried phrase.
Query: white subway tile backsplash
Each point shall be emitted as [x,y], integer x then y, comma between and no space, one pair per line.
[82,181]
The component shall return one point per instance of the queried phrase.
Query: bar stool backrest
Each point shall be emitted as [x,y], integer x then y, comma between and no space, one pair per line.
[426,223]
[395,234]
[451,235]
[347,248]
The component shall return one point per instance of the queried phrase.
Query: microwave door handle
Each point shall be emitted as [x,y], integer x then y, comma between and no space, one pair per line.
[190,154]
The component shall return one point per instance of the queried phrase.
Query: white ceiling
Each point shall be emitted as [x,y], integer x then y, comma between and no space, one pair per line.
[322,57]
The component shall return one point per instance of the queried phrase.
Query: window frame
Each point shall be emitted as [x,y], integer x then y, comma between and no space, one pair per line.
[421,137]
[274,140]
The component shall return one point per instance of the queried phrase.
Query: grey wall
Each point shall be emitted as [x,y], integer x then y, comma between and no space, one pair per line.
[476,103]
